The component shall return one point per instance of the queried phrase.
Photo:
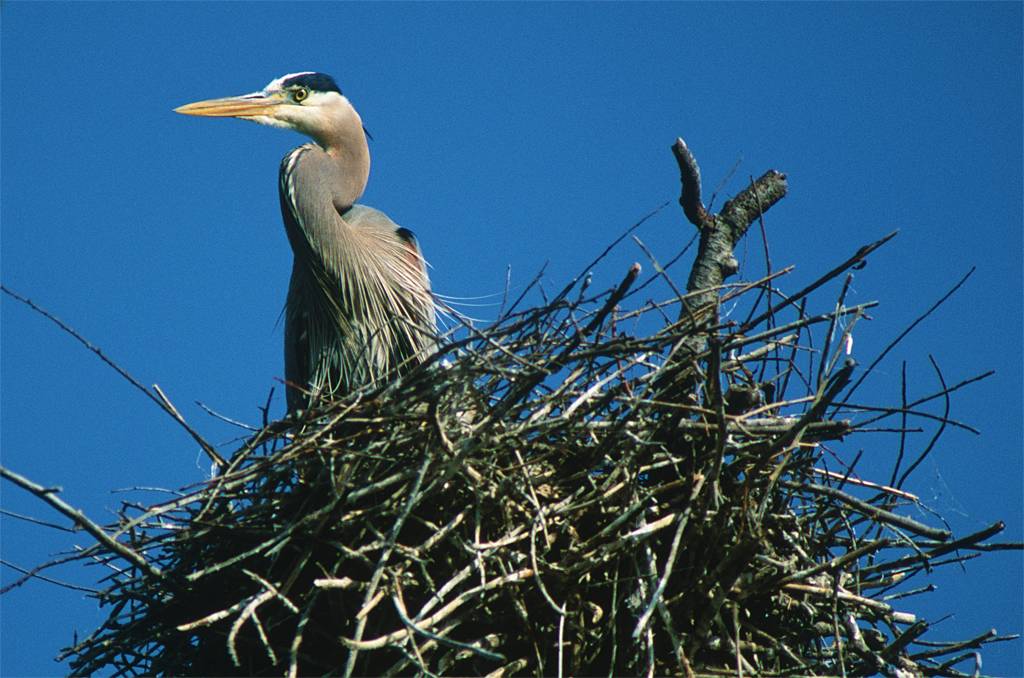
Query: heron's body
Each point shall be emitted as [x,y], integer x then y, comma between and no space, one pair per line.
[359,306]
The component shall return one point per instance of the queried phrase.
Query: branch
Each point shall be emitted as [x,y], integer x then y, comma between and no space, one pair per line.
[720,233]
[689,176]
[718,236]
[160,399]
[49,495]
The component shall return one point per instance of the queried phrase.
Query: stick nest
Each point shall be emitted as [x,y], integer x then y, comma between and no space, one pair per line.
[579,489]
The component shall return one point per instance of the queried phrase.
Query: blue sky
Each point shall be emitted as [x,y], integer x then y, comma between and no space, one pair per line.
[506,135]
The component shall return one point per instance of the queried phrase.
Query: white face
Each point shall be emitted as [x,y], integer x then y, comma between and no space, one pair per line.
[302,109]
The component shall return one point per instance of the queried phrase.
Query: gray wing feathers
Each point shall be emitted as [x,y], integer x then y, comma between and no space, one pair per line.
[361,309]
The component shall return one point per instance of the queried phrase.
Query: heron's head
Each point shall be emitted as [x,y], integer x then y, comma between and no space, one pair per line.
[308,102]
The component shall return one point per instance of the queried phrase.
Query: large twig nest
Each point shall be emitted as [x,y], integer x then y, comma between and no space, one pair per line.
[554,495]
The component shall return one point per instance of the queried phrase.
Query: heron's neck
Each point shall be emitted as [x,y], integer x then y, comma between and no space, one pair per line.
[348,157]
[321,181]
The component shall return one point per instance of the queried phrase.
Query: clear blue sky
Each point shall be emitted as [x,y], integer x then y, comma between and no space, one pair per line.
[505,135]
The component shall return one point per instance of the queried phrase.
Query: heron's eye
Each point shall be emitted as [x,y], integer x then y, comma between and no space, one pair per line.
[300,94]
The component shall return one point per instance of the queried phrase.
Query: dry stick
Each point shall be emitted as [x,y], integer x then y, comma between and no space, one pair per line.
[909,635]
[300,627]
[744,287]
[173,411]
[846,596]
[951,389]
[689,177]
[872,511]
[835,563]
[845,341]
[273,589]
[668,264]
[508,286]
[659,270]
[395,636]
[835,626]
[760,352]
[560,610]
[977,641]
[938,433]
[385,555]
[732,290]
[403,615]
[907,331]
[558,361]
[670,628]
[655,600]
[589,267]
[791,360]
[34,574]
[768,266]
[823,365]
[908,593]
[49,495]
[613,299]
[767,255]
[806,321]
[867,483]
[253,603]
[859,256]
[820,429]
[889,411]
[36,521]
[903,423]
[853,633]
[163,403]
[234,422]
[964,542]
[715,260]
[828,391]
[1000,546]
[946,667]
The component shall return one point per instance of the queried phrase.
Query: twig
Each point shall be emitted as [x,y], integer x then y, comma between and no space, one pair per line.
[159,399]
[49,495]
[173,411]
[881,515]
[892,344]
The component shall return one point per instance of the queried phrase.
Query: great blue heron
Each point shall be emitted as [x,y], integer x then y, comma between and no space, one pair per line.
[359,306]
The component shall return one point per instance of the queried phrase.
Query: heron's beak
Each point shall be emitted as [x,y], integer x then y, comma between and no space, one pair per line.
[244,106]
